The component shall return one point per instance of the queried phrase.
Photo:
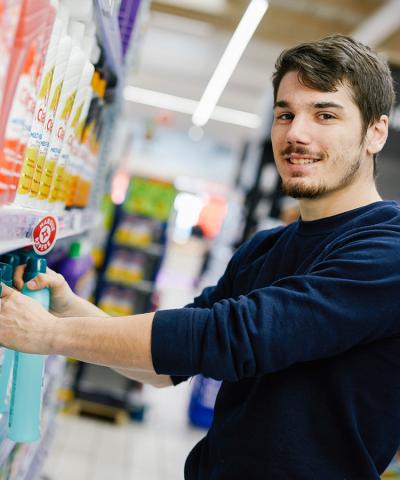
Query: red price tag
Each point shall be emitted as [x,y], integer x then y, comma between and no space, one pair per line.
[45,235]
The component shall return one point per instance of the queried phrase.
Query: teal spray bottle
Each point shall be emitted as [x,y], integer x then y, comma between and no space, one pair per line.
[26,394]
[24,254]
[6,270]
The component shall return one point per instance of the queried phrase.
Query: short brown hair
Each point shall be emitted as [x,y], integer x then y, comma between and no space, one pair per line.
[339,59]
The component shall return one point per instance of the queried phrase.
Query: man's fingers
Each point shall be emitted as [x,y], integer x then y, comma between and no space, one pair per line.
[19,277]
[43,280]
[6,291]
[50,279]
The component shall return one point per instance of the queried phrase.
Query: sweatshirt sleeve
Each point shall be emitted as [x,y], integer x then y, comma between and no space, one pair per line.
[350,297]
[210,295]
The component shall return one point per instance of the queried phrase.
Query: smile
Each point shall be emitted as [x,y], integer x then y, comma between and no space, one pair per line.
[302,161]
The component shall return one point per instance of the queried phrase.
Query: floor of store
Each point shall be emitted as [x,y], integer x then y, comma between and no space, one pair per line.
[156,449]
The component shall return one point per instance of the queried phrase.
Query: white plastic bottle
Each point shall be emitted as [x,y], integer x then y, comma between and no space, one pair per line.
[67,98]
[74,163]
[53,67]
[81,10]
[63,55]
[59,188]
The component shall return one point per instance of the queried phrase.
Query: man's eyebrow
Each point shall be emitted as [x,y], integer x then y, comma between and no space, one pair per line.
[327,105]
[281,103]
[286,104]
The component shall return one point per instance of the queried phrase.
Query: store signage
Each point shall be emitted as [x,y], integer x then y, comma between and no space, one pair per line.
[44,235]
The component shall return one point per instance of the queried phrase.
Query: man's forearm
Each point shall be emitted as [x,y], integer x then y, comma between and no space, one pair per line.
[116,342]
[79,307]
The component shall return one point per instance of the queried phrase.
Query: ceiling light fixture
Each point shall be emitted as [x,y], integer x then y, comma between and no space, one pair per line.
[188,106]
[230,58]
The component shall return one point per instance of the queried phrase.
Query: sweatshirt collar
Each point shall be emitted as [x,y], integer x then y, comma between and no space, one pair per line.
[328,224]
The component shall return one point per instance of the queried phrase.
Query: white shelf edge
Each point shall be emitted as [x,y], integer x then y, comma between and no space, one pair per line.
[16,225]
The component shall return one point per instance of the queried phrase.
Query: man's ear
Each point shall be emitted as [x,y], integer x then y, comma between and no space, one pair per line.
[377,134]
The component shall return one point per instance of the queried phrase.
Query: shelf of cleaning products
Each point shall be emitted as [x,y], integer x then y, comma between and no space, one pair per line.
[17,225]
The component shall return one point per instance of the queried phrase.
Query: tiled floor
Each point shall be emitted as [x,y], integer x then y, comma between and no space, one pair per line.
[85,449]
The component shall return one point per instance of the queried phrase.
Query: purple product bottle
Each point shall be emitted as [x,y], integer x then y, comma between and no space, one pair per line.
[126,19]
[78,270]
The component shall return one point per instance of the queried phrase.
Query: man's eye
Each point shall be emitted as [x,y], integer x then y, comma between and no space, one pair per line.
[326,116]
[285,116]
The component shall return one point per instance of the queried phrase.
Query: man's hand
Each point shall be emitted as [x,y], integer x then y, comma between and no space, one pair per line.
[62,298]
[24,324]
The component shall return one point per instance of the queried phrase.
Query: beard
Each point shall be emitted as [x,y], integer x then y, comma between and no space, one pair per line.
[301,190]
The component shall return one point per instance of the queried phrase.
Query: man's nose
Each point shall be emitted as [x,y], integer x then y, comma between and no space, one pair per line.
[299,131]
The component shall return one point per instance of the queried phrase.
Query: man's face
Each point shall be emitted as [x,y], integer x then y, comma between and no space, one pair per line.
[316,139]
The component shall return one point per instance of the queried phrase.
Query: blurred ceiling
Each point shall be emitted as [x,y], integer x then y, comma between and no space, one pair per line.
[184,40]
[289,22]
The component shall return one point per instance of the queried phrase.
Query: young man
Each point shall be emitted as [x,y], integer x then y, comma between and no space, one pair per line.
[304,326]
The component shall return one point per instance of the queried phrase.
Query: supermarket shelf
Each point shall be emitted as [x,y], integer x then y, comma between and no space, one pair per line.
[17,224]
[154,249]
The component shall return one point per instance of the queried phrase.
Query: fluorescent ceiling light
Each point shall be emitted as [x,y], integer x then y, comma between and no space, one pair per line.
[380,25]
[230,58]
[188,106]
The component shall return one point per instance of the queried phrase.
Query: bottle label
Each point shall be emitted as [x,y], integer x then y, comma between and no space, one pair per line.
[56,188]
[28,169]
[47,178]
[37,175]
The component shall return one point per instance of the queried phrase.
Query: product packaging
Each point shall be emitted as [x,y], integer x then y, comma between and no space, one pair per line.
[26,394]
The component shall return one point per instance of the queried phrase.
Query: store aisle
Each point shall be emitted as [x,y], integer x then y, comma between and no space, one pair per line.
[86,449]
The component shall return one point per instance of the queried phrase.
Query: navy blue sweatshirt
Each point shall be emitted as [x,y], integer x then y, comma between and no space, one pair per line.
[304,330]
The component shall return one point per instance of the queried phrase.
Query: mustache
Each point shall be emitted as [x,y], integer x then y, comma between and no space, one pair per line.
[302,151]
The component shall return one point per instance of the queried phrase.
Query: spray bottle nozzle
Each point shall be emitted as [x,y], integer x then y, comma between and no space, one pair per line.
[34,267]
[6,272]
[11,259]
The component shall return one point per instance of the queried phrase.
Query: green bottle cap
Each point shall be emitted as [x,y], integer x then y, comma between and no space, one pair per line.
[24,256]
[75,250]
[34,267]
[11,259]
[6,273]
